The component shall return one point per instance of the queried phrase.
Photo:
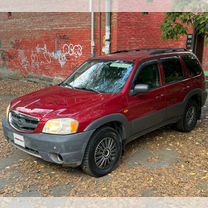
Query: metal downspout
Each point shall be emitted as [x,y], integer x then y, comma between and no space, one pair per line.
[92,29]
[107,48]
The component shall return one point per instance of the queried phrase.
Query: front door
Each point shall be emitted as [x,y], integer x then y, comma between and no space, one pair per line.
[146,110]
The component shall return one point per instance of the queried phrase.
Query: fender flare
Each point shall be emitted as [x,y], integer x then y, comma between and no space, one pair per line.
[198,92]
[110,118]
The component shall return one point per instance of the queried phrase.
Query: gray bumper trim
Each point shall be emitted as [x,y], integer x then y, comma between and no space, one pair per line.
[204,97]
[70,147]
[25,150]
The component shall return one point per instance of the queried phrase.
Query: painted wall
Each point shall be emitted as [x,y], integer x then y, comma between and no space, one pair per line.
[50,44]
[54,44]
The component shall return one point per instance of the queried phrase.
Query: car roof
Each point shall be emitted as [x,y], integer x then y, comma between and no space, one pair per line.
[141,54]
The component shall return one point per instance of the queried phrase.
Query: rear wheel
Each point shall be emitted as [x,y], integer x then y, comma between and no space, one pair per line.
[190,117]
[103,152]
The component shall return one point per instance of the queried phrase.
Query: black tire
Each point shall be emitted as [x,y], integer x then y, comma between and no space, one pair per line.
[97,152]
[190,117]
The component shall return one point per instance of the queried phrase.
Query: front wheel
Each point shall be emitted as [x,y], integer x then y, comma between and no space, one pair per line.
[103,152]
[190,117]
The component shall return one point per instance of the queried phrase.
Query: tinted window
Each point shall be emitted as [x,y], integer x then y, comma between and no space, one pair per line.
[193,65]
[172,70]
[149,75]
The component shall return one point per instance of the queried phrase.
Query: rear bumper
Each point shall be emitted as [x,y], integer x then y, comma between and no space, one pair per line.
[70,148]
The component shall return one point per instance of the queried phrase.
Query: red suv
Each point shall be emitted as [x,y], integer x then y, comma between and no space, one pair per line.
[109,101]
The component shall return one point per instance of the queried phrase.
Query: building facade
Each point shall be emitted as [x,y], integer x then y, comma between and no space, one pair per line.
[55,44]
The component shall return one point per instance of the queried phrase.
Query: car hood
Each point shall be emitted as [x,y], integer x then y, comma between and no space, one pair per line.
[58,101]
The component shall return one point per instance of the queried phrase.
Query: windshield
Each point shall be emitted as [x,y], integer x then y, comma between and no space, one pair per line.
[101,76]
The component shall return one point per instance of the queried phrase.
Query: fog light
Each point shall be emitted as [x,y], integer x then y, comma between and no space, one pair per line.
[57,158]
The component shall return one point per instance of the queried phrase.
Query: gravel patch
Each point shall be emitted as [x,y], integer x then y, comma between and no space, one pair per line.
[162,158]
[62,190]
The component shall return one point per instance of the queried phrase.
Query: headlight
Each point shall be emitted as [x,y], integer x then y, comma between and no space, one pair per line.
[7,111]
[61,126]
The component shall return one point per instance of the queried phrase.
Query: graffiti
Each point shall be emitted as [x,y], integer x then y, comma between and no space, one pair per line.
[62,37]
[35,62]
[62,56]
[23,59]
[4,57]
[41,55]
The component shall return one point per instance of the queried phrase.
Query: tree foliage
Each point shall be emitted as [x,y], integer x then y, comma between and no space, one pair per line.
[177,24]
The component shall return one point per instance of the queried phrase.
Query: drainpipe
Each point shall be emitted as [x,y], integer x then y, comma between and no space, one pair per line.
[107,47]
[92,29]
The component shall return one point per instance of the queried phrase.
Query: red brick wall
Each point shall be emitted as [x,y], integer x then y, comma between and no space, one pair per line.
[50,44]
[135,30]
[54,44]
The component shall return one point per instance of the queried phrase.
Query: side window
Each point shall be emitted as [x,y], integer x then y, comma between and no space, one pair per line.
[172,70]
[149,75]
[193,65]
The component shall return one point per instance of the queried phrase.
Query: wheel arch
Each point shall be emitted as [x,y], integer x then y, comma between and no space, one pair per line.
[195,95]
[117,121]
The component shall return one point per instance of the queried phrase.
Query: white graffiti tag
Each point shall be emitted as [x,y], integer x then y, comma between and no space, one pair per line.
[62,56]
[23,59]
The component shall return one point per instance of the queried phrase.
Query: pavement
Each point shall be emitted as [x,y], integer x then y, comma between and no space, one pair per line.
[162,163]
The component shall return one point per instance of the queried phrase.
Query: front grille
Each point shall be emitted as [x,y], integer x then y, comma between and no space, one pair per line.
[22,122]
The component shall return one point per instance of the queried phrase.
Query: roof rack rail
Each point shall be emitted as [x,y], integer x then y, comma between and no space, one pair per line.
[168,50]
[154,50]
[136,49]
[122,51]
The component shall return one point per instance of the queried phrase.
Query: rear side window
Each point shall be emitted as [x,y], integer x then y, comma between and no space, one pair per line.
[193,65]
[149,75]
[172,70]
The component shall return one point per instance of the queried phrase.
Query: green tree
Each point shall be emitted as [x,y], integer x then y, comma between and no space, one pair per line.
[176,24]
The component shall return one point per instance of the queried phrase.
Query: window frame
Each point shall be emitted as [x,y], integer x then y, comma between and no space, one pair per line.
[187,68]
[138,71]
[164,59]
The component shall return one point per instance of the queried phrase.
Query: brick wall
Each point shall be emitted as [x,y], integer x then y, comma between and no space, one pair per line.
[54,44]
[136,30]
[50,44]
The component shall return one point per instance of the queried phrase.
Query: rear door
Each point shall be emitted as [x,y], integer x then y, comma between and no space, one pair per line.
[146,110]
[174,81]
[194,70]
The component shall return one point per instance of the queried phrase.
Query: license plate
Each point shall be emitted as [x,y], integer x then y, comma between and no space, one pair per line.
[19,140]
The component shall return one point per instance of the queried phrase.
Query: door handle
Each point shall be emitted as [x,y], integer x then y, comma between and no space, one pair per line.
[159,96]
[186,87]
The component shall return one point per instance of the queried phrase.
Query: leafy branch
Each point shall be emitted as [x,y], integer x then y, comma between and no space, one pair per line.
[176,24]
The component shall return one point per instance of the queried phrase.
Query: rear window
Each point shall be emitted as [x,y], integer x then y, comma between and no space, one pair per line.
[172,70]
[193,65]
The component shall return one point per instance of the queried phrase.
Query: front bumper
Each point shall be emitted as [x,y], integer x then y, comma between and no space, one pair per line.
[70,148]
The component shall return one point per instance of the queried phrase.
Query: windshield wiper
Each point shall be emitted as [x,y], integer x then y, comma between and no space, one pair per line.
[87,89]
[80,88]
[67,84]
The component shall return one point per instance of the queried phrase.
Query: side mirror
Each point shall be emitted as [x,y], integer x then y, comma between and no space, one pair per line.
[140,89]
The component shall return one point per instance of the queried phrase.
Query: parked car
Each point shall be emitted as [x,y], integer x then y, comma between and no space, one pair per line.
[109,101]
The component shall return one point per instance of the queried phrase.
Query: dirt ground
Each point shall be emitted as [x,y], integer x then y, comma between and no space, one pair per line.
[162,163]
